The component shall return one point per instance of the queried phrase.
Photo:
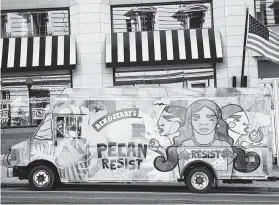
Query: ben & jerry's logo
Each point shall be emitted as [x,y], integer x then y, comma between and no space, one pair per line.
[115,116]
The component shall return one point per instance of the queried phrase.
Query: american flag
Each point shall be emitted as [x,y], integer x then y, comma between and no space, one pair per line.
[263,41]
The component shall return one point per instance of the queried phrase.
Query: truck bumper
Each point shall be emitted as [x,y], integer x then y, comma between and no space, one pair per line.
[20,172]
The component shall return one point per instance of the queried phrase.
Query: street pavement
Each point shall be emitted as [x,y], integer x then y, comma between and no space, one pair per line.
[118,194]
[15,191]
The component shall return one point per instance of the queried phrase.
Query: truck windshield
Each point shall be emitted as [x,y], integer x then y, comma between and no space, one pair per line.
[44,130]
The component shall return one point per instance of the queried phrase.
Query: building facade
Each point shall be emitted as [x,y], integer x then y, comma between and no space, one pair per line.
[102,43]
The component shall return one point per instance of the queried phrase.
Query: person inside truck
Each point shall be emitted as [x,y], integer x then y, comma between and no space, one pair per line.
[60,127]
[61,130]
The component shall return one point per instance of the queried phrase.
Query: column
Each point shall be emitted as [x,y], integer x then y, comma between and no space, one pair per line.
[276,115]
[229,18]
[90,23]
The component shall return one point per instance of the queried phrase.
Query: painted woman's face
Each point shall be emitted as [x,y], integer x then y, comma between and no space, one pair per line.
[238,123]
[168,124]
[204,121]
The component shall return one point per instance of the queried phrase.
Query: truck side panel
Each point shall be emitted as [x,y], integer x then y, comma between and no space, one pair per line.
[155,139]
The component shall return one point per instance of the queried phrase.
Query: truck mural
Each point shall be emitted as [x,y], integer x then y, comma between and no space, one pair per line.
[197,138]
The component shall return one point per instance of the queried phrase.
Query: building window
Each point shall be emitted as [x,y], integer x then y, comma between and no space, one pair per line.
[186,15]
[27,108]
[267,12]
[180,78]
[141,19]
[3,25]
[40,24]
[5,108]
[38,99]
[129,25]
[198,85]
[35,23]
[191,16]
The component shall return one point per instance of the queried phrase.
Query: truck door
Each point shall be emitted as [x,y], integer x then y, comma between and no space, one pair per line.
[42,143]
[72,157]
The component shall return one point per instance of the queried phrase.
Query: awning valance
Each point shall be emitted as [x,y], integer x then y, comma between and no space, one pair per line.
[47,52]
[163,47]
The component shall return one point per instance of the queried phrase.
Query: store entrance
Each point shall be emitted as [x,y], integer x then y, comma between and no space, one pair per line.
[272,86]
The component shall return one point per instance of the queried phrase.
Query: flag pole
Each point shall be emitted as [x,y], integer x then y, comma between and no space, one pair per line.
[244,48]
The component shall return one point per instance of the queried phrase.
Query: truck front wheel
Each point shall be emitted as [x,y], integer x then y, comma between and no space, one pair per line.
[199,180]
[41,178]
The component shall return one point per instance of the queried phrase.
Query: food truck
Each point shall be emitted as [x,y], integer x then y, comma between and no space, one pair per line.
[149,134]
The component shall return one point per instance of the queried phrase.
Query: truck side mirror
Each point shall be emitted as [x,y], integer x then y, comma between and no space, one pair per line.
[55,142]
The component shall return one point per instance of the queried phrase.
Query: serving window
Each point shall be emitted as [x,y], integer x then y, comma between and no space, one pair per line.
[68,127]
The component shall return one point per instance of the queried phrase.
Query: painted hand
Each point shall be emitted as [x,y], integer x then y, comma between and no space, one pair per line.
[259,120]
[256,136]
[227,153]
[184,155]
[154,144]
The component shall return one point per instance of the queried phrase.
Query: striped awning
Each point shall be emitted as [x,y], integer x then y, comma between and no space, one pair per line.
[48,52]
[163,47]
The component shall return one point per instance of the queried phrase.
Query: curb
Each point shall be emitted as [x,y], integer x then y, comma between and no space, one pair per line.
[139,188]
[13,185]
[246,189]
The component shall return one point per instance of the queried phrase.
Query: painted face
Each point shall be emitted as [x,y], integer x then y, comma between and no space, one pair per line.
[168,124]
[238,123]
[204,121]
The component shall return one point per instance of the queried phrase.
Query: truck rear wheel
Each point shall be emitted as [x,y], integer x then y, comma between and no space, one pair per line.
[41,178]
[199,180]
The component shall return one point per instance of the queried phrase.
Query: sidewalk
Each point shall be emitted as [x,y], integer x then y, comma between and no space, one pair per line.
[256,186]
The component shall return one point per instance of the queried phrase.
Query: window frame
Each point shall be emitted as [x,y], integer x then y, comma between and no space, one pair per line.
[3,12]
[194,82]
[54,121]
[159,4]
[256,16]
[38,128]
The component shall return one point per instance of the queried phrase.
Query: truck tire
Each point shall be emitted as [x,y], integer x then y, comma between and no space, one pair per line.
[41,178]
[199,180]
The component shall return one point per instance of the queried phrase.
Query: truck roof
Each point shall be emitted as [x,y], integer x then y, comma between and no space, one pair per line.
[70,97]
[152,91]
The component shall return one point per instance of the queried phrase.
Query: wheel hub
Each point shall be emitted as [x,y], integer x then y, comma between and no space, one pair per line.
[41,178]
[199,180]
